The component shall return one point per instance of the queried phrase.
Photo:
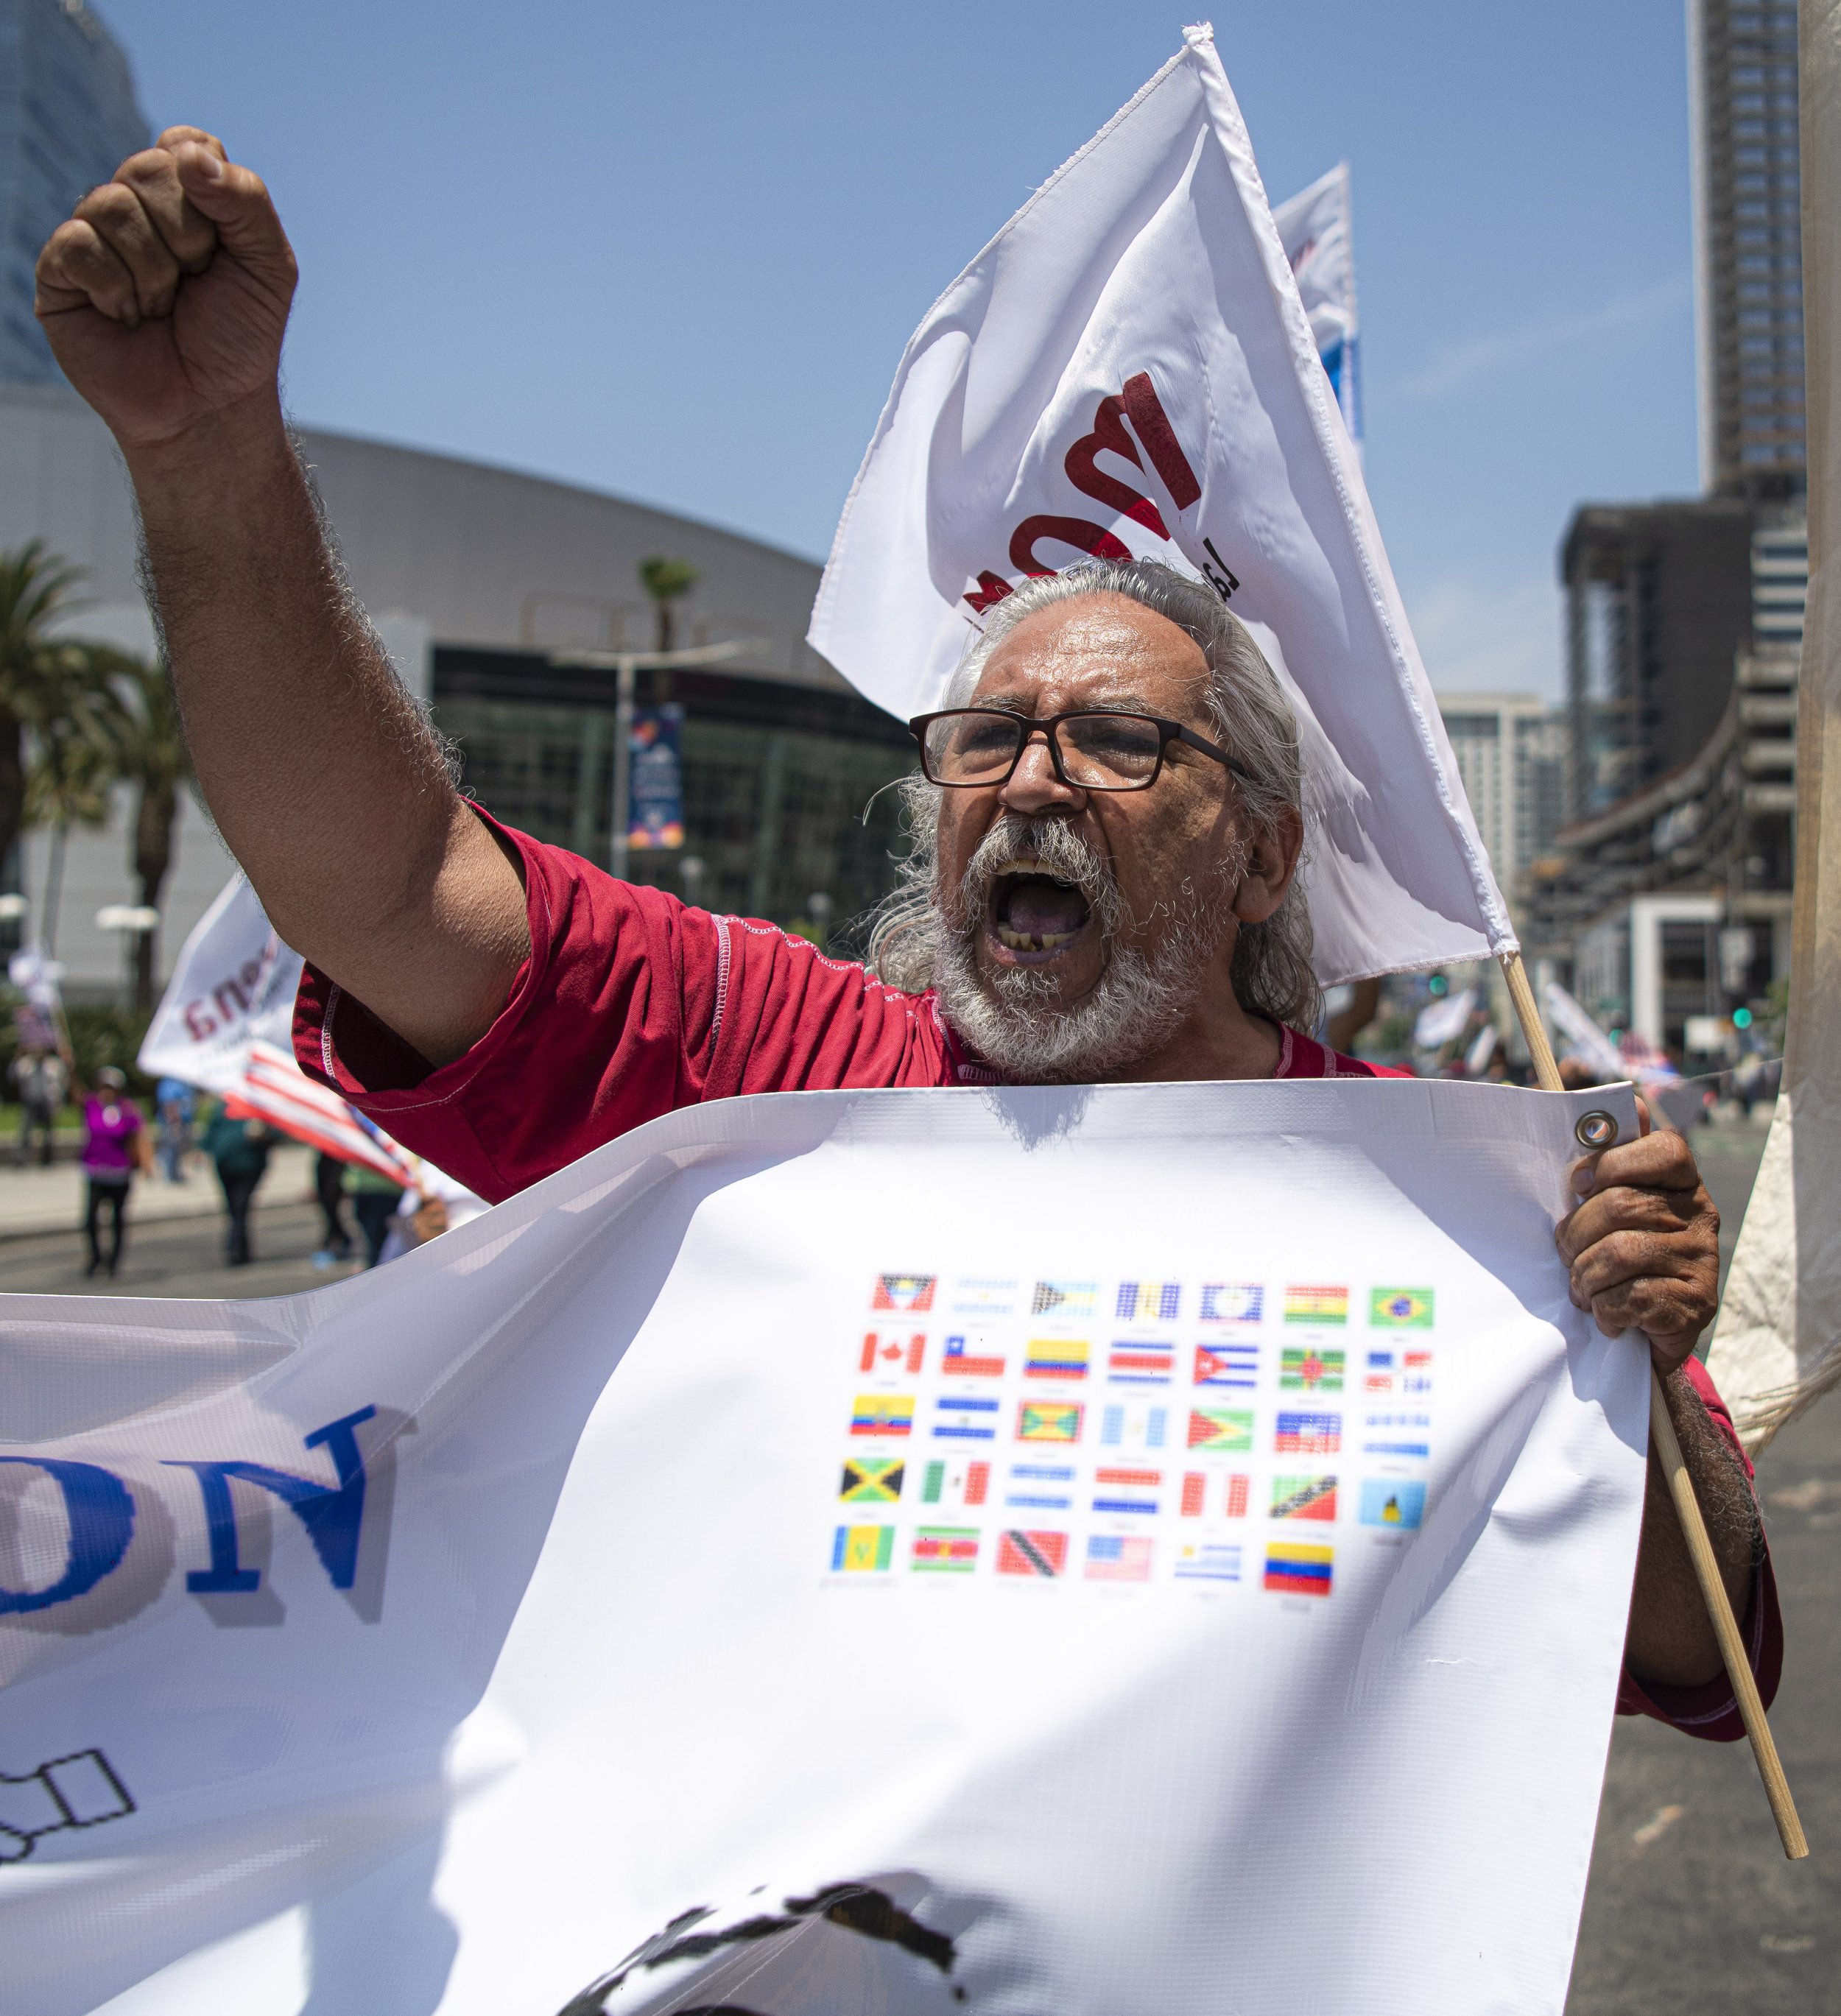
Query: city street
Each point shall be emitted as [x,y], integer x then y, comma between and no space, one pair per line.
[179,1256]
[1691,1909]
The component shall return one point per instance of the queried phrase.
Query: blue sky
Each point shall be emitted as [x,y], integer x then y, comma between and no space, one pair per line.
[675,253]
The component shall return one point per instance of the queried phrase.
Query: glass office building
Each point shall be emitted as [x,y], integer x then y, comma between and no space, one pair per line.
[68,120]
[777,778]
[1749,246]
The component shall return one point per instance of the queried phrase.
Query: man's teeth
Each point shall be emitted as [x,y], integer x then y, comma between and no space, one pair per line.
[1025,941]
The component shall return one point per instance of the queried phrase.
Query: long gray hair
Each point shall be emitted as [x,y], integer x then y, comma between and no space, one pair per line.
[1272,970]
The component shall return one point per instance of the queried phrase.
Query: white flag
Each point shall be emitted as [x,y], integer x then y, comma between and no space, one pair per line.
[1442,1022]
[1126,370]
[225,1023]
[564,1617]
[1317,229]
[233,986]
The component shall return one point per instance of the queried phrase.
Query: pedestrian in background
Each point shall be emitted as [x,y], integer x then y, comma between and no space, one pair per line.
[238,1149]
[41,1079]
[374,1200]
[115,1145]
[436,1203]
[329,1183]
[173,1102]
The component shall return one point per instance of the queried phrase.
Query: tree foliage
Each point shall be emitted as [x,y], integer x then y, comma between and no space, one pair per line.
[76,719]
[666,581]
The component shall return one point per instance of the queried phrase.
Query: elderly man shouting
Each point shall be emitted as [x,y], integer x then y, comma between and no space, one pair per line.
[1104,886]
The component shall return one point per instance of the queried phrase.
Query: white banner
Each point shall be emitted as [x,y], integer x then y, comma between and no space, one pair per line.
[1126,370]
[1317,229]
[225,1023]
[1146,1548]
[37,978]
[234,985]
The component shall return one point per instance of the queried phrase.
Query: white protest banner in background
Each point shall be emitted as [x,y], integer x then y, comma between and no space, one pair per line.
[1317,229]
[38,1021]
[234,984]
[225,1023]
[1126,370]
[884,1550]
[1442,1022]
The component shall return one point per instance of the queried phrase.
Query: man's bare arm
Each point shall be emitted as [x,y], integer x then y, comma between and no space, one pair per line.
[165,299]
[1671,1640]
[1643,1248]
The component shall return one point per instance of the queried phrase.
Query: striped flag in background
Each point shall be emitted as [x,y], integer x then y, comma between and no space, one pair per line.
[274,1089]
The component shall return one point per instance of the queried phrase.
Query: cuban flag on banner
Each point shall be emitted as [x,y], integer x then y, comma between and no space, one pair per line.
[1127,371]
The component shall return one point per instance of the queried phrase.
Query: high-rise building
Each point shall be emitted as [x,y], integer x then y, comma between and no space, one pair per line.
[1659,601]
[1672,905]
[1511,755]
[68,120]
[1667,895]
[1742,58]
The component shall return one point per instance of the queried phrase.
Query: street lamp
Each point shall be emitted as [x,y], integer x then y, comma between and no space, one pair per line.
[133,921]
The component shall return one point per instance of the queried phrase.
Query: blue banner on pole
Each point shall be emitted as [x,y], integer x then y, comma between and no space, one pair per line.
[656,778]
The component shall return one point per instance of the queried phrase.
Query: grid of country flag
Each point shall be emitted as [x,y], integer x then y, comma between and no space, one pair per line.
[1211,1433]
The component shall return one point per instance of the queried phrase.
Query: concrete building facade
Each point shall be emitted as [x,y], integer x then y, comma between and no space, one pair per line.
[1659,601]
[1672,905]
[1511,755]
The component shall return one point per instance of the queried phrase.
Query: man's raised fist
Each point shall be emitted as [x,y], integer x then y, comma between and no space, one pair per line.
[165,297]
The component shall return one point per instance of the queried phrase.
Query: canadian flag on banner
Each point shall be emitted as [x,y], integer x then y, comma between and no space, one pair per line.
[1126,371]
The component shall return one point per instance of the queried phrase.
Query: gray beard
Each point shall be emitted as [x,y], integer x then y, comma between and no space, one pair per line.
[1013,1018]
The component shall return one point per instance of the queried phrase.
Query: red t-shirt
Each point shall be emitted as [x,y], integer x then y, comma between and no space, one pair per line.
[632,1004]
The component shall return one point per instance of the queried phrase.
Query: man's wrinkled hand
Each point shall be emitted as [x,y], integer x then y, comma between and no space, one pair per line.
[1643,1244]
[165,297]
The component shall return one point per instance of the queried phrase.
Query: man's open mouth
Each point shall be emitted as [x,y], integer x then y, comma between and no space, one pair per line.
[1033,911]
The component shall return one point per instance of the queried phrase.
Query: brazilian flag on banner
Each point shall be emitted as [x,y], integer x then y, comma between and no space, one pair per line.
[1400,1308]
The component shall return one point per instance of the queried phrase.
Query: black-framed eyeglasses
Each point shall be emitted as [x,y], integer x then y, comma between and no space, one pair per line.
[1093,749]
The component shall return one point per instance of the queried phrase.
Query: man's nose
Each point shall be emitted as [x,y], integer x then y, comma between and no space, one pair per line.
[1034,788]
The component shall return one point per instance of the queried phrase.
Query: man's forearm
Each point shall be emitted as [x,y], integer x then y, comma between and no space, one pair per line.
[1671,1640]
[323,779]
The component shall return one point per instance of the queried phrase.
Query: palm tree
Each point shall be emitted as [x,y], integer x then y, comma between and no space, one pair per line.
[150,754]
[34,591]
[666,581]
[73,764]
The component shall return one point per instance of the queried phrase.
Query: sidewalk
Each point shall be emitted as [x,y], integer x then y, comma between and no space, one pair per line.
[35,1199]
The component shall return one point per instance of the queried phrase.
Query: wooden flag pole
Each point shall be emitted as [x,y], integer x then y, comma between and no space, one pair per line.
[1700,1546]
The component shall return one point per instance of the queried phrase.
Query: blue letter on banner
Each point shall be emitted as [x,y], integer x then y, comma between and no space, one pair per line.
[102,1515]
[333,1515]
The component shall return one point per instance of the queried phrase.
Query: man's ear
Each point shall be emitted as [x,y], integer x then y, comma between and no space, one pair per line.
[1271,862]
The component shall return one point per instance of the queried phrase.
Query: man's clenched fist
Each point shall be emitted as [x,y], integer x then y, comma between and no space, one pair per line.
[165,297]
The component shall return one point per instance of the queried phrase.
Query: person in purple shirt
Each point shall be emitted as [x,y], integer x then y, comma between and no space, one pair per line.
[115,1145]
